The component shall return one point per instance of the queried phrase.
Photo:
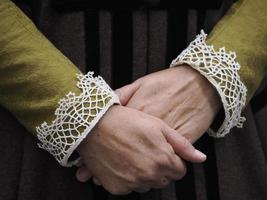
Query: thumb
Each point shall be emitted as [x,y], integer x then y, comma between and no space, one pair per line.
[126,92]
[83,174]
[183,147]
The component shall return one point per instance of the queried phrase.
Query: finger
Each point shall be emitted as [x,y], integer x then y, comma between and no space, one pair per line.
[174,168]
[126,92]
[179,169]
[83,174]
[96,181]
[161,183]
[183,147]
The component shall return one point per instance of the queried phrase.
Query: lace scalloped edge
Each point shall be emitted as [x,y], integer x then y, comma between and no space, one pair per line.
[221,70]
[76,112]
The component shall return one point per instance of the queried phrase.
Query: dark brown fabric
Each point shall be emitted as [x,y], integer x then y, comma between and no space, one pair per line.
[137,4]
[123,45]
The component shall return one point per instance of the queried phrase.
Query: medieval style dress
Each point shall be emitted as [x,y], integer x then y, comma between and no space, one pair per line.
[42,92]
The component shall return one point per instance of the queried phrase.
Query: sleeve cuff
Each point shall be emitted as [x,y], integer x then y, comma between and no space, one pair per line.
[221,70]
[75,117]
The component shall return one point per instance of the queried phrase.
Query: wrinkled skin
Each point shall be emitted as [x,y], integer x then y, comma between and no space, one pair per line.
[180,96]
[132,151]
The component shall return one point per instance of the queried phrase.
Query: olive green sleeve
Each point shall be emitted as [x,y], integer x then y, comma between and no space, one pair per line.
[244,30]
[233,58]
[35,78]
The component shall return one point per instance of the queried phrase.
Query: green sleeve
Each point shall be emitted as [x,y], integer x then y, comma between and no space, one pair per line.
[233,58]
[40,86]
[244,30]
[34,75]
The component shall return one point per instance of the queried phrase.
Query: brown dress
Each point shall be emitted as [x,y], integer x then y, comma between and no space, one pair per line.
[123,43]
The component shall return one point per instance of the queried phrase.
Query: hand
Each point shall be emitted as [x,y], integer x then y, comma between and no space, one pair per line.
[180,96]
[131,151]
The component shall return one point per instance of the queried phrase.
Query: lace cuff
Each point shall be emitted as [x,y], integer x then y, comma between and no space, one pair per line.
[75,117]
[221,70]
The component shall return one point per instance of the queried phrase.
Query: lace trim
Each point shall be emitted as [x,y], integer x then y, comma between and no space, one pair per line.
[221,69]
[76,115]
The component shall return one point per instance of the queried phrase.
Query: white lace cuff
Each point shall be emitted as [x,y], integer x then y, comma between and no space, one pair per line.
[75,117]
[221,70]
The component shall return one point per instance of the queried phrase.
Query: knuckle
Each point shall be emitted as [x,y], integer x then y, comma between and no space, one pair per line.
[181,172]
[135,180]
[153,167]
[179,169]
[147,175]
[164,159]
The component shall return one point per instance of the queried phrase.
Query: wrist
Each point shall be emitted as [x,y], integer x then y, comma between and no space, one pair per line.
[221,70]
[98,128]
[204,85]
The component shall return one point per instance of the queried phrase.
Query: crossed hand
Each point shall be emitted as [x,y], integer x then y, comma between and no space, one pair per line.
[142,144]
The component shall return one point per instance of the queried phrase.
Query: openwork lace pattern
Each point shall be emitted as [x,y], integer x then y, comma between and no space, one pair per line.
[75,116]
[221,69]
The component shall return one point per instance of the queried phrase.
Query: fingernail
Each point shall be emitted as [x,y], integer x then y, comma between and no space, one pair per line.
[200,154]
